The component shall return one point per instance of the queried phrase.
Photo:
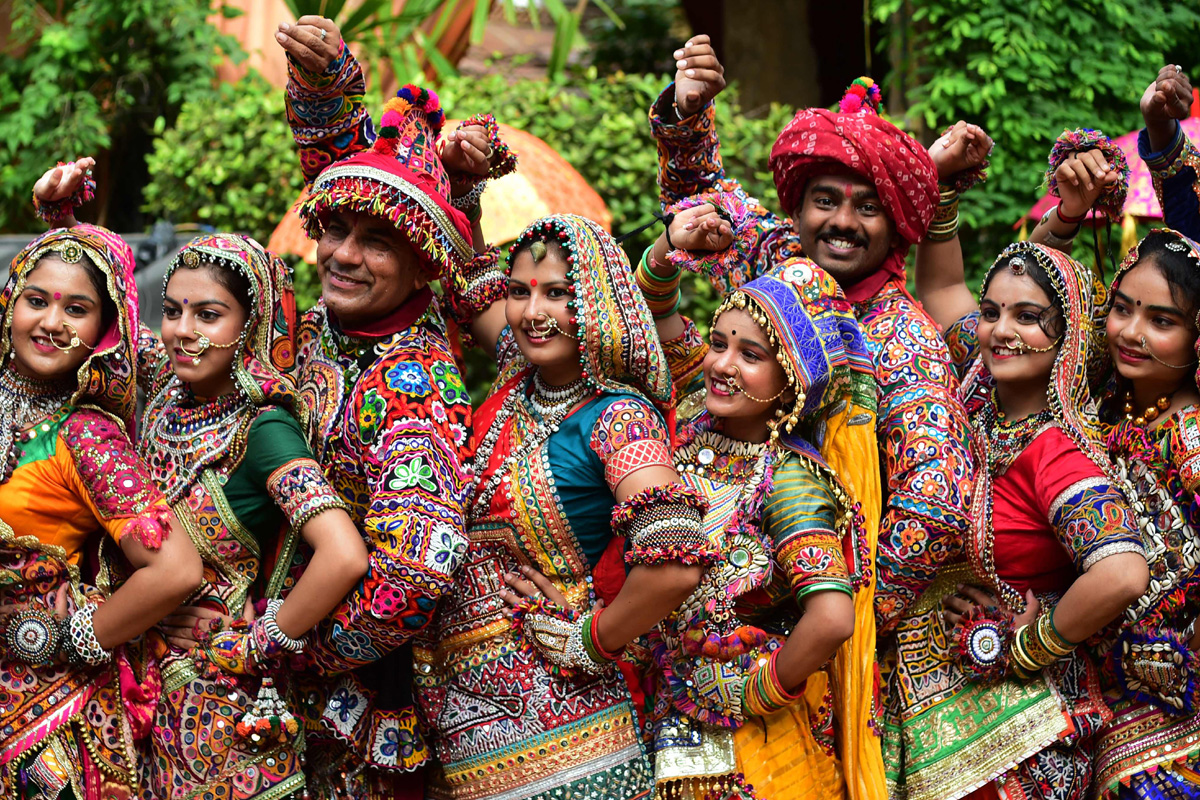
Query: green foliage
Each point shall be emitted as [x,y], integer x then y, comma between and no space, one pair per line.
[1025,71]
[229,163]
[633,42]
[78,78]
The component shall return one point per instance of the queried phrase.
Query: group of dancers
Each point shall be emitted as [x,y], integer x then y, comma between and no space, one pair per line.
[854,544]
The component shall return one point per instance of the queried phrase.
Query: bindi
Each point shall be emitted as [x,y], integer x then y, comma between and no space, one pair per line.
[533,281]
[58,295]
[1139,302]
[848,190]
[185,301]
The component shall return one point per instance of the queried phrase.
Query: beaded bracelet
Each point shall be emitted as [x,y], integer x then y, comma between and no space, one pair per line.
[53,212]
[965,179]
[662,293]
[763,694]
[83,637]
[944,225]
[471,198]
[268,635]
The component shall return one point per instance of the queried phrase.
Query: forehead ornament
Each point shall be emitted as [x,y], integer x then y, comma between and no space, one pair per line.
[1176,246]
[1017,265]
[71,253]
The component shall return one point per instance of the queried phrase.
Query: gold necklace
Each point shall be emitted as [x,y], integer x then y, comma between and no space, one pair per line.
[1151,413]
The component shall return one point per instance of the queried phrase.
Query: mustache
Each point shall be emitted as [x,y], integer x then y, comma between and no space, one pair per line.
[333,265]
[839,233]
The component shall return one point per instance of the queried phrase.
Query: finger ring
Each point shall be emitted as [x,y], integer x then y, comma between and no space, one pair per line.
[324,33]
[537,595]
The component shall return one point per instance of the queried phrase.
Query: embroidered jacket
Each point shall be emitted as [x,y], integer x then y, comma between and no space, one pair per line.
[1175,171]
[922,427]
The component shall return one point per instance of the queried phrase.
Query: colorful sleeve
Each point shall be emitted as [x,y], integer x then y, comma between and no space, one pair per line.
[923,435]
[326,112]
[800,516]
[1175,172]
[283,462]
[111,480]
[689,152]
[1088,514]
[628,436]
[1184,447]
[415,525]
[661,523]
[962,339]
[685,359]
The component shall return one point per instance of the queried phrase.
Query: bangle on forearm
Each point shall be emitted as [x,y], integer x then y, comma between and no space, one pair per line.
[763,694]
[470,200]
[591,639]
[661,293]
[1049,637]
[1029,651]
[269,639]
[944,226]
[1065,220]
[83,637]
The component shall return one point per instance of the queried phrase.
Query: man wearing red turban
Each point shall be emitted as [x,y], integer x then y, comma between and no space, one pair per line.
[858,193]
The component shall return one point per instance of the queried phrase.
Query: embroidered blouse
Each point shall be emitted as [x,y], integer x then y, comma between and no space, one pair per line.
[1175,172]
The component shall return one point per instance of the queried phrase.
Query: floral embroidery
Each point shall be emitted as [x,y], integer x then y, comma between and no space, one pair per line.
[300,490]
[413,473]
[370,415]
[410,378]
[449,384]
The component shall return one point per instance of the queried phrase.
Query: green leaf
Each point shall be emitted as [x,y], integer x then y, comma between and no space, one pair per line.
[479,18]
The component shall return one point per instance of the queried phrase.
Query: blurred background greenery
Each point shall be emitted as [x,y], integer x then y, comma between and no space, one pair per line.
[181,103]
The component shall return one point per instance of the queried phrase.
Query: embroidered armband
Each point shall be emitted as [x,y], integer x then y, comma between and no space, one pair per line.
[1093,522]
[300,490]
[663,524]
[1185,451]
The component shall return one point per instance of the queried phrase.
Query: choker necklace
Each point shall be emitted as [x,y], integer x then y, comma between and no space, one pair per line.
[1007,440]
[1151,413]
[547,399]
[24,402]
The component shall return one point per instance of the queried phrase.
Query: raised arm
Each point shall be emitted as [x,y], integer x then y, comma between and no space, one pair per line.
[325,107]
[941,281]
[683,121]
[1173,160]
[1081,179]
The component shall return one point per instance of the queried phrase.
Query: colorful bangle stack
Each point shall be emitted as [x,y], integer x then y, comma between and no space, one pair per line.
[53,213]
[1051,639]
[591,639]
[662,294]
[83,637]
[763,694]
[1065,220]
[944,226]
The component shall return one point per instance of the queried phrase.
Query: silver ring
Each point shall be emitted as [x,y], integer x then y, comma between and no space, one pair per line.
[324,33]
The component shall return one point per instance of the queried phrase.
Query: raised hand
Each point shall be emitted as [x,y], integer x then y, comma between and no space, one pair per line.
[699,77]
[700,228]
[1082,177]
[1168,97]
[466,151]
[965,146]
[62,182]
[313,41]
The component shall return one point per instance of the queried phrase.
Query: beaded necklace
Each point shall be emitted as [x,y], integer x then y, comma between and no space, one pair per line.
[183,439]
[712,454]
[1007,440]
[24,402]
[548,413]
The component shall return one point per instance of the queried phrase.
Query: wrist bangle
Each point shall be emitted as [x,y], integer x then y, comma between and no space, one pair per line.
[83,637]
[269,638]
[944,225]
[662,293]
[474,213]
[1049,637]
[1065,220]
[763,694]
[591,639]
[471,198]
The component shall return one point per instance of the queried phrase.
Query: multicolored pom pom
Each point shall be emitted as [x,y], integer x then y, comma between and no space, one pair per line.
[862,96]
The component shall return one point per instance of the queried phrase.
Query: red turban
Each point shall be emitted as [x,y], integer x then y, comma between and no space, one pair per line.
[858,138]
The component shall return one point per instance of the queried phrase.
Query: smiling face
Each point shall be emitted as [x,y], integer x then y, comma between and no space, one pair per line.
[196,303]
[1013,317]
[1146,318]
[739,350]
[58,298]
[538,292]
[367,267]
[843,227]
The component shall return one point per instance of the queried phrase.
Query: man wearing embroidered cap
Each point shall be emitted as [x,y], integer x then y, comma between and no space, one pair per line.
[858,193]
[387,413]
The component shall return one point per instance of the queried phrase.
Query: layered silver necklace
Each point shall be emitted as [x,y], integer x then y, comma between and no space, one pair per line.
[551,404]
[23,403]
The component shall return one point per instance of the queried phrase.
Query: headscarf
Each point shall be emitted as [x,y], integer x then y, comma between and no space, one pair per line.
[856,137]
[619,346]
[107,378]
[1132,257]
[804,313]
[266,350]
[1074,379]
